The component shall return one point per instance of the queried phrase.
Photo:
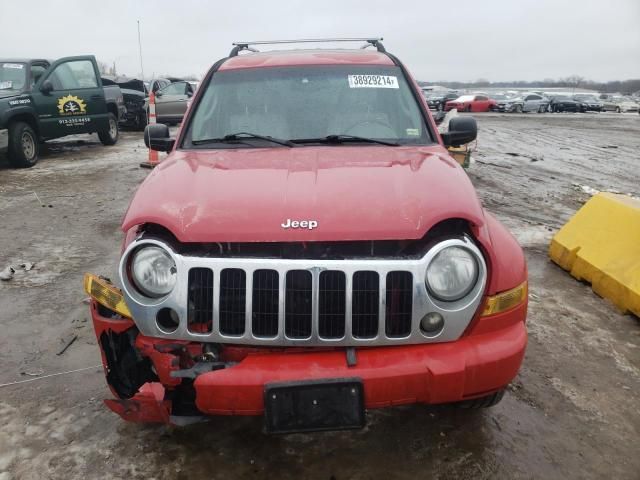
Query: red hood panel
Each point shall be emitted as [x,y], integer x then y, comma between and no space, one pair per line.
[353,193]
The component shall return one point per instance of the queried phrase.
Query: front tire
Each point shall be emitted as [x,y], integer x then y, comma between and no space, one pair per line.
[618,110]
[110,136]
[482,402]
[23,145]
[518,109]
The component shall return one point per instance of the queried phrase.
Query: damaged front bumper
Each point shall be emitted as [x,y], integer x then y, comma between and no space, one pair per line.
[179,382]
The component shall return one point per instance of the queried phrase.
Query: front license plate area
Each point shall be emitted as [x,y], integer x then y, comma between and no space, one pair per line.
[314,406]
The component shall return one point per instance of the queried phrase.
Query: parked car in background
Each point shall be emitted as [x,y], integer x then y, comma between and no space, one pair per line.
[619,104]
[506,103]
[42,100]
[590,103]
[471,103]
[195,84]
[134,93]
[113,94]
[534,102]
[565,103]
[157,84]
[171,102]
[437,100]
[527,102]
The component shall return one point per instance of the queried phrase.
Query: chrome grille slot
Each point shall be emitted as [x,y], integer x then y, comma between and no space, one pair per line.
[365,298]
[266,295]
[233,292]
[332,304]
[399,304]
[200,300]
[298,304]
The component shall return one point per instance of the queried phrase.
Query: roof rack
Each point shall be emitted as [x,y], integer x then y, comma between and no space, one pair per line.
[370,41]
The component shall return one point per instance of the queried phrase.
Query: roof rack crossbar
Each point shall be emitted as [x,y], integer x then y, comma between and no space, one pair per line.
[239,46]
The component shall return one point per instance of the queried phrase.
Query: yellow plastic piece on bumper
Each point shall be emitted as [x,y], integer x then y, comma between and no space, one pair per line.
[106,294]
[505,300]
[601,245]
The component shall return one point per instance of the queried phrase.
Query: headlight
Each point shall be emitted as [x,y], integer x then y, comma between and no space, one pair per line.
[153,271]
[452,274]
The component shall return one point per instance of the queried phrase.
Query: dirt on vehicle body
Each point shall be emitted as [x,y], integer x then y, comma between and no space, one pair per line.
[255,246]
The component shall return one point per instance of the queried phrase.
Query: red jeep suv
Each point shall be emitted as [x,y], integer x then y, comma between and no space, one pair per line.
[307,251]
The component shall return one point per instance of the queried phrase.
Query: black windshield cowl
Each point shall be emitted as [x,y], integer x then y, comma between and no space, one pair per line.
[338,139]
[240,136]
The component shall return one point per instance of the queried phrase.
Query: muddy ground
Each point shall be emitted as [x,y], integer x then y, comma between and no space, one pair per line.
[573,411]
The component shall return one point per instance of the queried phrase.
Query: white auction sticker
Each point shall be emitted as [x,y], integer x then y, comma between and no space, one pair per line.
[17,66]
[373,81]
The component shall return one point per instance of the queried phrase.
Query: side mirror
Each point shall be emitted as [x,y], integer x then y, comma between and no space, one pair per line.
[46,87]
[189,94]
[158,93]
[462,130]
[156,137]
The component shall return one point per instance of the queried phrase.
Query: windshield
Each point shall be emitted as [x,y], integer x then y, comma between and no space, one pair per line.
[293,103]
[12,76]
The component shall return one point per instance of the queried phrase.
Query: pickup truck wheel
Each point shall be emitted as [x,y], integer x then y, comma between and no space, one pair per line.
[482,402]
[110,136]
[23,145]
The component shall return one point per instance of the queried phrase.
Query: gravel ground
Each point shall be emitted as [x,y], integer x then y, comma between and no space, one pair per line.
[572,412]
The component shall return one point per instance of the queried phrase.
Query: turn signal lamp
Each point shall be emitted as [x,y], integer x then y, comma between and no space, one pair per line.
[103,292]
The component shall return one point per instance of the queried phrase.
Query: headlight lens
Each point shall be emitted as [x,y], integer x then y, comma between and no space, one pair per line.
[153,271]
[452,274]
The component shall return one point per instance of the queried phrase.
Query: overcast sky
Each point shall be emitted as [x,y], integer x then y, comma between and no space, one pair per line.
[438,40]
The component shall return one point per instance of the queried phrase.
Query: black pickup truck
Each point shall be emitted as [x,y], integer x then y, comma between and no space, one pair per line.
[41,100]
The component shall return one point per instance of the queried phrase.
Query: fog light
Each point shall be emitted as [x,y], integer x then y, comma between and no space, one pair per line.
[431,323]
[168,320]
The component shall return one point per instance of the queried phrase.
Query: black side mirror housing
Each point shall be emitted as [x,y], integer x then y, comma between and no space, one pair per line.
[46,87]
[156,137]
[462,130]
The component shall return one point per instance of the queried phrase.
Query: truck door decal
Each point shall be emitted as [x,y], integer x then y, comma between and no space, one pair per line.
[71,105]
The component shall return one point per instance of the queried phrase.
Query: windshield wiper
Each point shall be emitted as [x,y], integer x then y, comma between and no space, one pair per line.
[238,137]
[342,138]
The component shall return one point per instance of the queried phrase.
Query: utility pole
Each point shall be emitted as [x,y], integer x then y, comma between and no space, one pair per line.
[140,50]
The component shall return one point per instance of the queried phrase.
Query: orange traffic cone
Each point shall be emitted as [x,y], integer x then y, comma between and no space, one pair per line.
[153,154]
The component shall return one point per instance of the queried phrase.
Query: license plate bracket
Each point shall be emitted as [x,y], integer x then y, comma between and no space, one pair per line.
[314,405]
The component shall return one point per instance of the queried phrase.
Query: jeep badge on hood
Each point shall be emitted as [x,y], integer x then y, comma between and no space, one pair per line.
[310,224]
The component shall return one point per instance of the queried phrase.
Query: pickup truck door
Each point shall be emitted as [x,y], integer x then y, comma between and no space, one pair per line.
[69,98]
[171,101]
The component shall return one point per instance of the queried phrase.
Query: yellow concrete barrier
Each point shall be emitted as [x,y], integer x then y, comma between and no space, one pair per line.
[601,245]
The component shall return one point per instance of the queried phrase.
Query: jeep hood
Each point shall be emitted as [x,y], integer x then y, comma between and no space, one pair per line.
[353,193]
